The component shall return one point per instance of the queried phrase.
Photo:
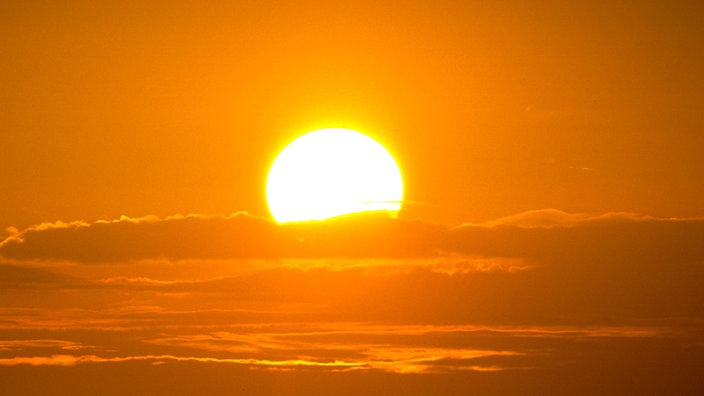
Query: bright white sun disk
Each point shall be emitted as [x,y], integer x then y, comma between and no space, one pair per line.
[332,172]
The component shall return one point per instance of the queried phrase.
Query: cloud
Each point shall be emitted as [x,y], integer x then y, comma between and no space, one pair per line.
[71,360]
[540,265]
[18,276]
[10,345]
[551,233]
[553,218]
[414,363]
[532,234]
[419,349]
[238,236]
[178,237]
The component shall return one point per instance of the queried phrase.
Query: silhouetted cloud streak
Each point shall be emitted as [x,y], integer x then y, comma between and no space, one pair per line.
[536,234]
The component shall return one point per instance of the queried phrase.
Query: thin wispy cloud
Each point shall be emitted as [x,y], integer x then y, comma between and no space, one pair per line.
[552,218]
[420,349]
[15,345]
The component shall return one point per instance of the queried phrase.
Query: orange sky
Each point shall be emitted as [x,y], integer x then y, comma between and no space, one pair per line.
[177,107]
[551,241]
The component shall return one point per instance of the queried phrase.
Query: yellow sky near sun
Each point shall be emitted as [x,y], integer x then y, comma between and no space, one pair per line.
[177,107]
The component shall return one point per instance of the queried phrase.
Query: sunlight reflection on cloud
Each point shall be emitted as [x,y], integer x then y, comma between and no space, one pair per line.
[333,346]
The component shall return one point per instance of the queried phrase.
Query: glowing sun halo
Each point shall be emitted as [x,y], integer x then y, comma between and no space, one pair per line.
[332,172]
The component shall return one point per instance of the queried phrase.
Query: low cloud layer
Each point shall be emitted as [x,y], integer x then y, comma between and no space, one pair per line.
[238,236]
[544,294]
[544,266]
[535,234]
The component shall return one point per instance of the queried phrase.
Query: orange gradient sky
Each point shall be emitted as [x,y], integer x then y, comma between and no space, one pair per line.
[549,242]
[170,107]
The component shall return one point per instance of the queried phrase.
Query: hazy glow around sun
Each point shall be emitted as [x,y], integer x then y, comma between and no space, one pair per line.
[332,172]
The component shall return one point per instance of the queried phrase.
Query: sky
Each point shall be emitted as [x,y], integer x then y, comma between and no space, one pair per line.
[138,108]
[549,241]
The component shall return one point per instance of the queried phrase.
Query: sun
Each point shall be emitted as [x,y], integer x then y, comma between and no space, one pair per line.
[332,172]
